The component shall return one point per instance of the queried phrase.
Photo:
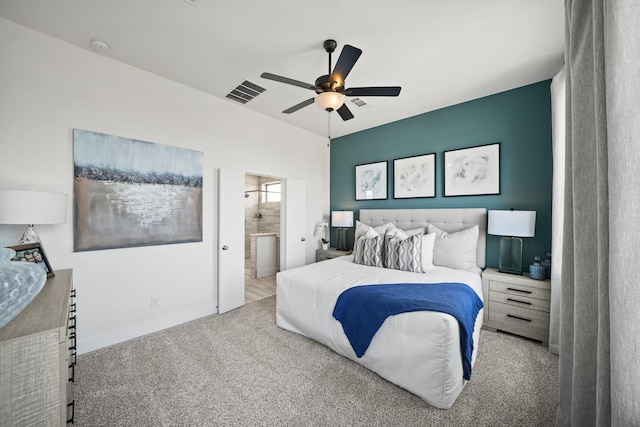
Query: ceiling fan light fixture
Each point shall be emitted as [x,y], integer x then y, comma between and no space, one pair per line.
[329,101]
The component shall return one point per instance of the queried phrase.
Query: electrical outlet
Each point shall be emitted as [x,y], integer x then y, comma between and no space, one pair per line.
[154,302]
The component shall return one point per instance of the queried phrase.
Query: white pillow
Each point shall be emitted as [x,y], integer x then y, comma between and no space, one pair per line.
[428,242]
[361,229]
[456,250]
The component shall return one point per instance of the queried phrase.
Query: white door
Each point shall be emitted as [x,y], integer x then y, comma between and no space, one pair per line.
[295,235]
[230,240]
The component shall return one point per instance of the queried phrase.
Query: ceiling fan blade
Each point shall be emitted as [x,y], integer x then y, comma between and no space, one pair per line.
[373,91]
[287,80]
[345,113]
[299,106]
[346,61]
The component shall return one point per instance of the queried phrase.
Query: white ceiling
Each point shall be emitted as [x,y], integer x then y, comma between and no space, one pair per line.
[440,52]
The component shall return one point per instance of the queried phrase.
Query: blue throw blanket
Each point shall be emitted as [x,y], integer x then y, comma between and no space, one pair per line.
[363,309]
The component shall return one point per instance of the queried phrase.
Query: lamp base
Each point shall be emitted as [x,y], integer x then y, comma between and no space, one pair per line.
[510,255]
[30,235]
[342,239]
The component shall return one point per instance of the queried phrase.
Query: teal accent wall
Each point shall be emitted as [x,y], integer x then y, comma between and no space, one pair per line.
[520,119]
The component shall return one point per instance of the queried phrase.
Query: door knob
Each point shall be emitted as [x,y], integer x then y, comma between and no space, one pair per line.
[225,247]
[303,239]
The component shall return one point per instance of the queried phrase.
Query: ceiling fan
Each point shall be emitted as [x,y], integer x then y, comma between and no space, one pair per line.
[330,88]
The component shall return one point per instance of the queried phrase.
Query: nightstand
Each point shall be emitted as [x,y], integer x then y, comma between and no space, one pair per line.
[325,254]
[516,304]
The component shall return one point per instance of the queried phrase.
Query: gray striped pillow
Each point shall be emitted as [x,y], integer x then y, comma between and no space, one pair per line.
[404,254]
[368,251]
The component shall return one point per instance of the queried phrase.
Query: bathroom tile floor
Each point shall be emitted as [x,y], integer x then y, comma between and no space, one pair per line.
[255,289]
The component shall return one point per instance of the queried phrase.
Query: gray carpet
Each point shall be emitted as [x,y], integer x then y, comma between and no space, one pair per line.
[240,369]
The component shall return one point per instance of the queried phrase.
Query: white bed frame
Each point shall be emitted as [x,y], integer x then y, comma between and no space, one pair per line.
[429,363]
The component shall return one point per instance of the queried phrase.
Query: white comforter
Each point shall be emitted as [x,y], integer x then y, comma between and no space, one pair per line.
[419,351]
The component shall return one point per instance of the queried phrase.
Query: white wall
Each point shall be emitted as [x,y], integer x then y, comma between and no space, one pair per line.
[48,88]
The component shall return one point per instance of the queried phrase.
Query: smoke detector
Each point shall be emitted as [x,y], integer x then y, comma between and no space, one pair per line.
[100,45]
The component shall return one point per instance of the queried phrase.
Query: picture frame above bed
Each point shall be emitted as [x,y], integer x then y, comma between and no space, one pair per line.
[414,177]
[371,181]
[472,171]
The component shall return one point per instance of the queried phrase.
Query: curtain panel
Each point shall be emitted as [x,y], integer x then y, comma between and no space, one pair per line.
[558,111]
[599,377]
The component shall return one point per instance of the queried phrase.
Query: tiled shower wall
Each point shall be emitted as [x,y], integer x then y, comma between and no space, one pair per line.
[259,217]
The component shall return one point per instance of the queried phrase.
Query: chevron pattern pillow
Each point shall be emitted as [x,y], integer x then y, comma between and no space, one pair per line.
[368,251]
[404,254]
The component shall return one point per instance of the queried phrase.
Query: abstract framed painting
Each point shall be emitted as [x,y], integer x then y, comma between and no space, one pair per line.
[414,177]
[472,171]
[371,181]
[132,193]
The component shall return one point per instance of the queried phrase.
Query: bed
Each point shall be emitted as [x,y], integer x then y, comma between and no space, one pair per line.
[419,351]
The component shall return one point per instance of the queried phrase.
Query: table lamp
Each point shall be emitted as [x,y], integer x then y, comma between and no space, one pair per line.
[341,220]
[32,207]
[512,225]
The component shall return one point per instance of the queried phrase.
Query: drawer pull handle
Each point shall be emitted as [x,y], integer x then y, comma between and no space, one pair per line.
[519,318]
[518,301]
[73,293]
[519,290]
[72,308]
[72,366]
[71,405]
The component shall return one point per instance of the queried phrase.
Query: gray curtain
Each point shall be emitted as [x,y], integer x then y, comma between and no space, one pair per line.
[599,373]
[558,103]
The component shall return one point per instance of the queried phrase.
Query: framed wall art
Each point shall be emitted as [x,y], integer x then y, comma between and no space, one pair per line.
[371,181]
[414,177]
[472,171]
[32,252]
[134,193]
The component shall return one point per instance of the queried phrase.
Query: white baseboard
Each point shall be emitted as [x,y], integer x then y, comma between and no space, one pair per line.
[124,334]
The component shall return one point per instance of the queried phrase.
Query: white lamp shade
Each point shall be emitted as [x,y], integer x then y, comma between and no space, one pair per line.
[512,223]
[32,207]
[329,100]
[342,219]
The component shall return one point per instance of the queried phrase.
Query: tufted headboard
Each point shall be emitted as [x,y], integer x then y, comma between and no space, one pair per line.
[449,220]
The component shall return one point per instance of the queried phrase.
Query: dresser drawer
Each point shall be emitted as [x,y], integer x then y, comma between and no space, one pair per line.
[518,320]
[519,300]
[520,290]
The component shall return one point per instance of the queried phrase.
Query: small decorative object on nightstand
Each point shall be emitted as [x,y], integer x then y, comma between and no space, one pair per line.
[325,254]
[516,304]
[536,270]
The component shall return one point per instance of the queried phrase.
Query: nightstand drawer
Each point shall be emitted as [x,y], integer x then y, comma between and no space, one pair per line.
[520,290]
[522,321]
[519,300]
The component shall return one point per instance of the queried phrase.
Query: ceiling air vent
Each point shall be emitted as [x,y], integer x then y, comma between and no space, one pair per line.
[245,92]
[359,102]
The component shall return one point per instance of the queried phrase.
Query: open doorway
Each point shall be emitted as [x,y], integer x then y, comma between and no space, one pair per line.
[263,204]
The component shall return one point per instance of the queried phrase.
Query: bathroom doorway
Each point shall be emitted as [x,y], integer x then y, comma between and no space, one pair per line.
[263,202]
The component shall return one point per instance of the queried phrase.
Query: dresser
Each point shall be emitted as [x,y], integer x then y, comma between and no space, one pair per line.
[325,254]
[516,304]
[37,358]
